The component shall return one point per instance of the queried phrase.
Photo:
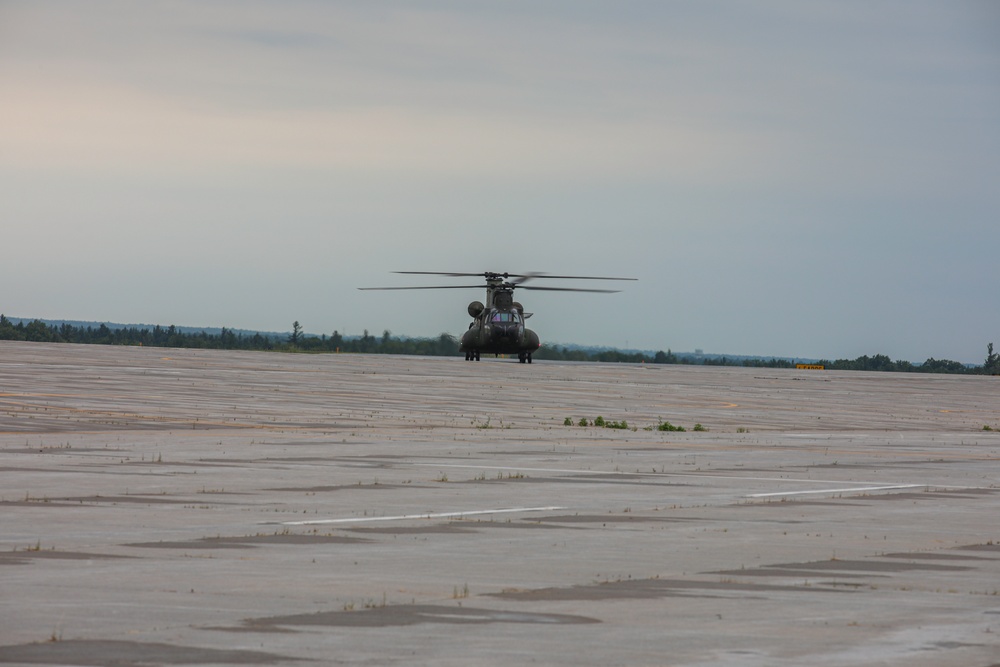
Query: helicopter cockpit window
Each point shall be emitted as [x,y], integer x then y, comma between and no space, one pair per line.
[504,318]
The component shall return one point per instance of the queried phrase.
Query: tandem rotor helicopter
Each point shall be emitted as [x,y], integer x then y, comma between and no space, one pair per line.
[498,325]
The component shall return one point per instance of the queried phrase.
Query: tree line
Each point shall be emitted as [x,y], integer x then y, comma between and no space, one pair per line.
[878,362]
[226,339]
[442,345]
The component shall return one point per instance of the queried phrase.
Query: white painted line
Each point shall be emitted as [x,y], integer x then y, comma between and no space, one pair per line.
[430,515]
[856,489]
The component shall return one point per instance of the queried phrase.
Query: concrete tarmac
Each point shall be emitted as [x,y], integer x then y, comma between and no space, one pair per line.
[167,507]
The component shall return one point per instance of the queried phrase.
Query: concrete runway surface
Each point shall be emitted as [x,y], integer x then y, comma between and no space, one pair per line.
[167,507]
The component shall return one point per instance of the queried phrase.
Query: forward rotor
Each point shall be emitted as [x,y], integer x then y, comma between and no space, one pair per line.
[503,280]
[518,277]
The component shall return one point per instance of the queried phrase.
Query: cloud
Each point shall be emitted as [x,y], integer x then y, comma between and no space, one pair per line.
[742,160]
[100,127]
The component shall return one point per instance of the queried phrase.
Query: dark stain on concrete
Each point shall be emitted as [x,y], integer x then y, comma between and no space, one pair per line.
[629,480]
[982,548]
[62,450]
[633,589]
[37,502]
[926,495]
[875,566]
[407,614]
[842,568]
[799,573]
[535,454]
[524,523]
[109,653]
[342,487]
[441,528]
[26,556]
[607,518]
[249,542]
[115,500]
[929,555]
[952,645]
[792,504]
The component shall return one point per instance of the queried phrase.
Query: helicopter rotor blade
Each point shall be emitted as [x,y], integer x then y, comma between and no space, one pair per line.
[509,281]
[428,287]
[569,289]
[522,276]
[450,274]
[530,276]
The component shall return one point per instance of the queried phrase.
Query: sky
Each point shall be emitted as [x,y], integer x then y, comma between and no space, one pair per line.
[816,180]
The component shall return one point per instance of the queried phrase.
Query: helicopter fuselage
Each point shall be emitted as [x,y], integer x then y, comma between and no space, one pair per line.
[498,325]
[499,330]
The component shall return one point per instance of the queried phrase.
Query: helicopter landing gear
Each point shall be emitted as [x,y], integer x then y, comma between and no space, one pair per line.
[524,357]
[472,355]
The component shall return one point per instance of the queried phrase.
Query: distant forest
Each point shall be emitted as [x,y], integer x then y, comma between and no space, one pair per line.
[442,346]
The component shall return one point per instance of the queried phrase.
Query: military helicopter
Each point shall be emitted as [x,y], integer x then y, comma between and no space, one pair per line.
[498,325]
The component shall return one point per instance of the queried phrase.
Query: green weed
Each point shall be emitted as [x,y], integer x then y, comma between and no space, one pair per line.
[667,426]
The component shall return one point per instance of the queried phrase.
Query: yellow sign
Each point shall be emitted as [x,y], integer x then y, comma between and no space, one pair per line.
[810,367]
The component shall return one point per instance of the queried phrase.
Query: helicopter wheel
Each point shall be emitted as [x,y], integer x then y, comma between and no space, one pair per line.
[529,358]
[520,357]
[477,355]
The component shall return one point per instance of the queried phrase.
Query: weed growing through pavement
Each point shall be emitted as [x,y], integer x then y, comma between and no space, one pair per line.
[487,425]
[623,425]
[667,426]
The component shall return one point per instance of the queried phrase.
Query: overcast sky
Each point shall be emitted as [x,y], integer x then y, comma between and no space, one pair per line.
[783,178]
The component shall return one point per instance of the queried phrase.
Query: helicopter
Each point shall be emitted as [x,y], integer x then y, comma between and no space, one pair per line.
[497,326]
